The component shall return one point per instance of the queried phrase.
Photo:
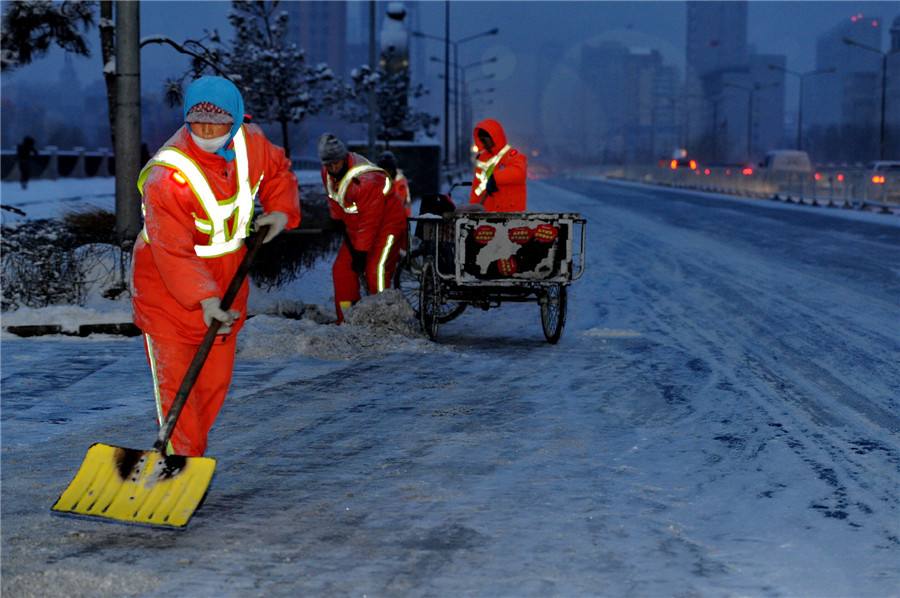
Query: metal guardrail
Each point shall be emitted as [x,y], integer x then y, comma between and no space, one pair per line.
[849,188]
[53,163]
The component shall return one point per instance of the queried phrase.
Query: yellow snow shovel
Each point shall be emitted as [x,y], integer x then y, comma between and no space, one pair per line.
[151,487]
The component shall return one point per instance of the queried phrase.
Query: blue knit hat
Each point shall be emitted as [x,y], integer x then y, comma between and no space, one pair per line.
[222,93]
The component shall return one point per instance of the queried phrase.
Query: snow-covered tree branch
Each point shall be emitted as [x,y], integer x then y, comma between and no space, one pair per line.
[396,118]
[31,26]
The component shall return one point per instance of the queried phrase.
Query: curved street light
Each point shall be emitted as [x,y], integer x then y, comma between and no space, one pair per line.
[455,43]
[751,90]
[884,58]
[802,77]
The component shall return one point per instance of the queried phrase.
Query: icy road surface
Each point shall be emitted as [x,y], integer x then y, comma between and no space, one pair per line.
[721,418]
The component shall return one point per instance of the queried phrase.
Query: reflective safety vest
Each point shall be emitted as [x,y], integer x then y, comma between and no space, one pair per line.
[339,196]
[402,177]
[484,170]
[222,238]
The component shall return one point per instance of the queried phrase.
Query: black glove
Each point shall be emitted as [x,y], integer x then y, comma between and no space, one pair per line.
[492,186]
[359,259]
[336,226]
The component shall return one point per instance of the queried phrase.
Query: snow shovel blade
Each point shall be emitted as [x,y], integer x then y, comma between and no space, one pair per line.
[135,486]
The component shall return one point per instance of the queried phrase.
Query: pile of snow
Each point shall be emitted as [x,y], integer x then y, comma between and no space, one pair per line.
[69,317]
[378,325]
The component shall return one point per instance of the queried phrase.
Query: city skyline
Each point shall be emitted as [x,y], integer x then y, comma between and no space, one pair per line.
[530,55]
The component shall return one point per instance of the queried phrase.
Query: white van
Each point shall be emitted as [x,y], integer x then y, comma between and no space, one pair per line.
[787,161]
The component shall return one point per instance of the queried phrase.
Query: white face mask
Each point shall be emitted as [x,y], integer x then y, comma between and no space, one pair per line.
[210,145]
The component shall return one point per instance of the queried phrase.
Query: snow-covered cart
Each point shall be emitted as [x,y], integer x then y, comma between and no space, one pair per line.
[462,258]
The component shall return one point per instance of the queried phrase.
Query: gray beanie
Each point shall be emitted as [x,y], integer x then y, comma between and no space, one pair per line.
[331,149]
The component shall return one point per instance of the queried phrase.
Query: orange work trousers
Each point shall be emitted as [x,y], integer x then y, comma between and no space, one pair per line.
[169,362]
[381,263]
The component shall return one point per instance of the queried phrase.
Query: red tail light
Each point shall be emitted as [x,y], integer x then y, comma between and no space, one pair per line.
[747,171]
[673,164]
[706,171]
[818,176]
[693,165]
[840,177]
[878,179]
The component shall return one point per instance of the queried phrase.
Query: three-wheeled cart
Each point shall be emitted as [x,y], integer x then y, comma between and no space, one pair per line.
[458,259]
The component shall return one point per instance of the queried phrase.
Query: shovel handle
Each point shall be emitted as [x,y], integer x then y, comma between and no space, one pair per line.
[190,377]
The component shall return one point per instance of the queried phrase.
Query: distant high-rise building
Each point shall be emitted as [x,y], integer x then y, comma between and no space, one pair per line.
[639,130]
[320,28]
[768,103]
[892,106]
[846,96]
[895,35]
[716,51]
[666,113]
[716,36]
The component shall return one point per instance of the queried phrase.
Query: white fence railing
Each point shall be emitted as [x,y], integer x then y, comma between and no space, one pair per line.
[838,187]
[53,163]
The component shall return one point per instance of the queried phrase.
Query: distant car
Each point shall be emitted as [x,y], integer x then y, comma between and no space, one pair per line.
[883,181]
[881,170]
[787,161]
[679,163]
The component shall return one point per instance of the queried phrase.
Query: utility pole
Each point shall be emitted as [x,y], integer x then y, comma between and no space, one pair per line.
[750,91]
[802,77]
[456,43]
[128,122]
[372,65]
[446,83]
[884,66]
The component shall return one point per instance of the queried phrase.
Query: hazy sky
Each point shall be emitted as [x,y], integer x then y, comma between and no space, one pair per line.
[527,29]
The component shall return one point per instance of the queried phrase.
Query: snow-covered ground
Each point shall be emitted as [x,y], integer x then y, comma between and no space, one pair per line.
[719,418]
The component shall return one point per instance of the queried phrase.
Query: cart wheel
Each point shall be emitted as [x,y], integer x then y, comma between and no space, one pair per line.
[553,312]
[429,301]
[450,311]
[407,280]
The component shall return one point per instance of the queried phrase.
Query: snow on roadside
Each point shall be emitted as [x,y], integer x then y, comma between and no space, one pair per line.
[868,217]
[69,317]
[380,324]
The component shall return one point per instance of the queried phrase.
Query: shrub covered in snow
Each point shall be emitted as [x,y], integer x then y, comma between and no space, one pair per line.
[39,266]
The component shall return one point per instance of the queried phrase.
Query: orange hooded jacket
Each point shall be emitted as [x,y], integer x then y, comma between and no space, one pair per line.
[509,173]
[375,212]
[169,278]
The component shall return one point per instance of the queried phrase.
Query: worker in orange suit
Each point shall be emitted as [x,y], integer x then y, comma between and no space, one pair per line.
[400,185]
[500,171]
[198,202]
[372,218]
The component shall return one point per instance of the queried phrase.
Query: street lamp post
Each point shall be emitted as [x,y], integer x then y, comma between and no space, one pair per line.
[751,91]
[447,43]
[802,77]
[460,87]
[446,82]
[884,58]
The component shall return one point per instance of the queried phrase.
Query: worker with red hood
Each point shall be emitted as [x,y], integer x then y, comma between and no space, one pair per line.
[198,203]
[372,218]
[500,171]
